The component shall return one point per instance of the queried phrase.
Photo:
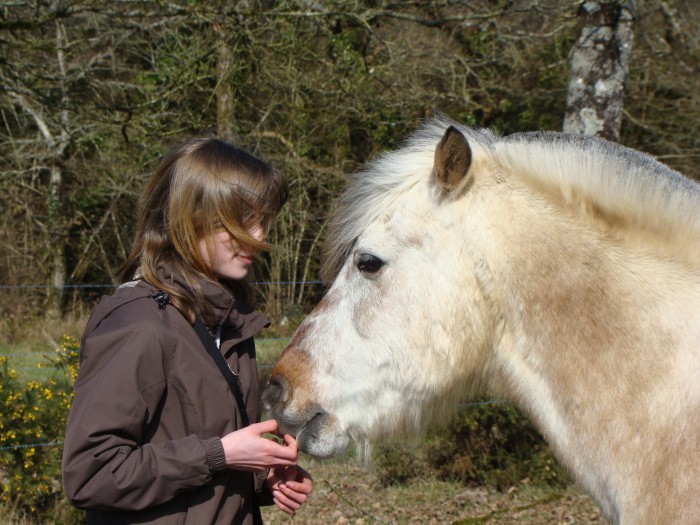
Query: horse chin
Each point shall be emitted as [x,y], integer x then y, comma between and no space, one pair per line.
[321,437]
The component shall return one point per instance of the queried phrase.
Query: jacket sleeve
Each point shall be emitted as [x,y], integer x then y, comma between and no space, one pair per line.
[120,385]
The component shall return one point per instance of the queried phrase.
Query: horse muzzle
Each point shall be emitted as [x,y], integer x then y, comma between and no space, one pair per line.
[317,432]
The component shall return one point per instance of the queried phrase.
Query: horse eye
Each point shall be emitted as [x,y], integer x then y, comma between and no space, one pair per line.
[369,263]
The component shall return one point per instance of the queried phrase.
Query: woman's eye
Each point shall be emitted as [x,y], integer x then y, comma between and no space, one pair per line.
[368,263]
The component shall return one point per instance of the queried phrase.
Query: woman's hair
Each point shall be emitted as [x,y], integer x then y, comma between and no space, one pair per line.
[200,187]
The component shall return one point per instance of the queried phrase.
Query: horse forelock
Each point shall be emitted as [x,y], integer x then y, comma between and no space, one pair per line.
[585,171]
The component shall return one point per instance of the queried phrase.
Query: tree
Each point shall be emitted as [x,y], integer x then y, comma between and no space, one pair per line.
[316,88]
[599,68]
[51,147]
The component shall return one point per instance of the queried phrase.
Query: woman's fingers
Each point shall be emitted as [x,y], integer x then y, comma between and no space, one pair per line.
[265,427]
[288,499]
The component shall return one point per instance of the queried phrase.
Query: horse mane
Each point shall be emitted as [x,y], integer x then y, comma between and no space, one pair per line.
[626,188]
[584,172]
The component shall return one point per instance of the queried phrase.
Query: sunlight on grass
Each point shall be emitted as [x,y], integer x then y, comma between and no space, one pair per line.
[29,358]
[269,349]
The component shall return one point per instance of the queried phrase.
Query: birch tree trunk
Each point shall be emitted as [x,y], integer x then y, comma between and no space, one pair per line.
[599,67]
[55,219]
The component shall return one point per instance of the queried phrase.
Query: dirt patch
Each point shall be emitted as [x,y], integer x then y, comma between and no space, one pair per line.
[348,493]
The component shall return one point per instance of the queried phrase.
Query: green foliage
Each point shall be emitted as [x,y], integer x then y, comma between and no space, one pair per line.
[33,417]
[486,444]
[316,90]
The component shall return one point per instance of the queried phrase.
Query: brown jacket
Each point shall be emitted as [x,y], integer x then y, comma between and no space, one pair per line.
[143,443]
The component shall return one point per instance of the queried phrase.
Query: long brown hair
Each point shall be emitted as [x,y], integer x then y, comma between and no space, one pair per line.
[200,187]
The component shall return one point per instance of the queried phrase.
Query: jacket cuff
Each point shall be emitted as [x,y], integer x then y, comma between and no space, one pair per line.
[216,459]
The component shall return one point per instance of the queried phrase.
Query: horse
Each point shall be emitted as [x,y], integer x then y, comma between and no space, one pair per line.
[559,271]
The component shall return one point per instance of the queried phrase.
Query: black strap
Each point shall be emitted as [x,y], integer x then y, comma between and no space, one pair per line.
[229,375]
[163,299]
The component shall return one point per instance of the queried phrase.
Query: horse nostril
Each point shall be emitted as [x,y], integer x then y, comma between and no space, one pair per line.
[275,392]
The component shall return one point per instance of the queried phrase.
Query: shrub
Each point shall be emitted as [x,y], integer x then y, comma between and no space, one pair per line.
[33,418]
[486,444]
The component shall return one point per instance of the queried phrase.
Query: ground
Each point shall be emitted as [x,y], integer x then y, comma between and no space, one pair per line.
[348,493]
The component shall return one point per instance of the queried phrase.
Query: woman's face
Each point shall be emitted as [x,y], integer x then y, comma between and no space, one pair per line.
[229,259]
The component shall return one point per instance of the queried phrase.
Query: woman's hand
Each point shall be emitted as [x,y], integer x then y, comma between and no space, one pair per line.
[290,487]
[247,449]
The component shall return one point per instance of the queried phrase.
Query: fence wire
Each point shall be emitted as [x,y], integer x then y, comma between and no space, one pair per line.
[60,443]
[89,286]
[78,286]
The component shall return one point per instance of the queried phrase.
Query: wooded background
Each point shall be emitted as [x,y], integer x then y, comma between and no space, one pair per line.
[93,93]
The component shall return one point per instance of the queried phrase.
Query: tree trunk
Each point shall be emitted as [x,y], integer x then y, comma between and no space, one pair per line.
[55,219]
[56,243]
[599,67]
[224,86]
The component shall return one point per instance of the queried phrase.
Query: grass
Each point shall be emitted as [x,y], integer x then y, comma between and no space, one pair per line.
[28,348]
[347,492]
[269,349]
[9,516]
[30,366]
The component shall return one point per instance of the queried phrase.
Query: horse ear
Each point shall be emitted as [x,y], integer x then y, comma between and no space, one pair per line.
[453,156]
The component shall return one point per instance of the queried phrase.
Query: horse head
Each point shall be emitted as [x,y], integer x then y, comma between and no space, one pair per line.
[403,325]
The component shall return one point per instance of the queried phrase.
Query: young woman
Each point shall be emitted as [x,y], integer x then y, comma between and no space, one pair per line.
[157,431]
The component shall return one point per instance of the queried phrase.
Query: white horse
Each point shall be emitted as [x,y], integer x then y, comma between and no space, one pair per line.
[560,271]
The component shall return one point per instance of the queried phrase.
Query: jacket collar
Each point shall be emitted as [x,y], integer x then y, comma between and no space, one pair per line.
[229,312]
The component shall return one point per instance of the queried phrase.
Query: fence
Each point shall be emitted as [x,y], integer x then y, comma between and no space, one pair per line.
[60,443]
[88,286]
[106,286]
[280,297]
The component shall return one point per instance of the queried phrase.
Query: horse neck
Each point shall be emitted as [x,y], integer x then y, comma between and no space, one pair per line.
[557,284]
[580,346]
